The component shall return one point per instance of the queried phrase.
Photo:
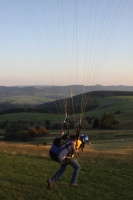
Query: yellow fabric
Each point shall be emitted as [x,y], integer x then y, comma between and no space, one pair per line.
[79,142]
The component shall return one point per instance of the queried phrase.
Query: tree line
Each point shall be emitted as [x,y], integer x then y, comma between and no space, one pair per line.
[27,130]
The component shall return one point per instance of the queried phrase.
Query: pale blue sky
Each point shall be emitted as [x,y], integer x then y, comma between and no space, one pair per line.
[62,42]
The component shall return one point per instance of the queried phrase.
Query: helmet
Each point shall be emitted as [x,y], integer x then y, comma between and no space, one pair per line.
[84,138]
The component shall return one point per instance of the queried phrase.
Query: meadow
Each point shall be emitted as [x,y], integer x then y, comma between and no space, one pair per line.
[106,173]
[106,165]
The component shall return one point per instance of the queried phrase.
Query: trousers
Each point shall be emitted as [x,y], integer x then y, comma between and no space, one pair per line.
[73,163]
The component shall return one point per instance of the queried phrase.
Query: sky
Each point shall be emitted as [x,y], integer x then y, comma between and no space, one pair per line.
[66,42]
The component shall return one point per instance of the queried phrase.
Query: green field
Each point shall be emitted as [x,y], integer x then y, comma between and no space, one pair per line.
[106,165]
[27,99]
[29,116]
[106,173]
[106,104]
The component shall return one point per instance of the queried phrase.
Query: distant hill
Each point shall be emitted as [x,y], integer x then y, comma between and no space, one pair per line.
[20,96]
[57,91]
[90,99]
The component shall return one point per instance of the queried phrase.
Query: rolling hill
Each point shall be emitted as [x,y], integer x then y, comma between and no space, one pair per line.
[92,101]
[32,95]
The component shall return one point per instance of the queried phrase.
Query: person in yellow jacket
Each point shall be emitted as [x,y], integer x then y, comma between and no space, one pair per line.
[76,145]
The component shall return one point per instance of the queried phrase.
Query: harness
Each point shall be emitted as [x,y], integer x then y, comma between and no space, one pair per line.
[61,149]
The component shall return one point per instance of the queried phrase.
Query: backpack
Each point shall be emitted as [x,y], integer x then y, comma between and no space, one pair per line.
[60,150]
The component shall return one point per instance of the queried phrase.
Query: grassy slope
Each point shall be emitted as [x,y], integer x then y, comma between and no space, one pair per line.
[106,172]
[27,99]
[105,175]
[106,105]
[113,104]
[29,116]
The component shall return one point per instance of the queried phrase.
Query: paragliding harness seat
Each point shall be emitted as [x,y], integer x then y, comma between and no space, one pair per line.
[60,150]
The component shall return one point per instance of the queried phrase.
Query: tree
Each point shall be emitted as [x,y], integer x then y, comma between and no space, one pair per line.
[90,119]
[43,131]
[95,123]
[33,132]
[47,124]
[56,126]
[108,121]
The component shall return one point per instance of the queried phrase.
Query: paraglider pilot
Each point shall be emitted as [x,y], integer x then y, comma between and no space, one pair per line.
[73,146]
